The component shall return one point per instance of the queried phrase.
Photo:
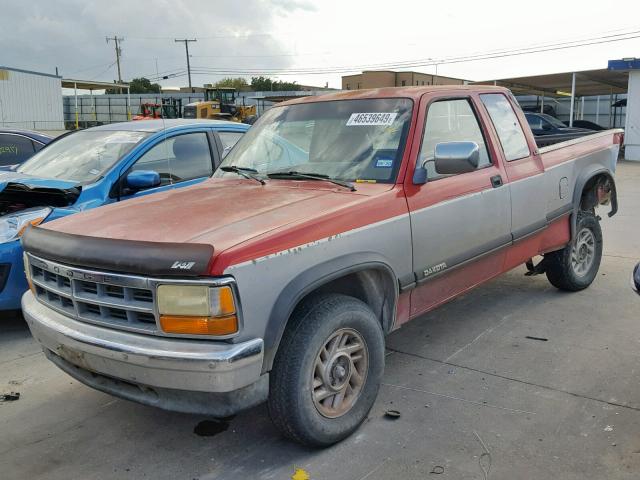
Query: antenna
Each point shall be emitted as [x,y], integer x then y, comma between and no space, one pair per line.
[164,131]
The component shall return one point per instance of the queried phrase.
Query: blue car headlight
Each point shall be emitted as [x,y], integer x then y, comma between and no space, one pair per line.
[13,225]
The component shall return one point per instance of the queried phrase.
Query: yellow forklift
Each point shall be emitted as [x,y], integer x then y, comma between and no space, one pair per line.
[220,104]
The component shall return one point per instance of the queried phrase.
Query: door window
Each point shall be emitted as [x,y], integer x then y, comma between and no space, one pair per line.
[512,139]
[14,149]
[450,121]
[179,158]
[229,139]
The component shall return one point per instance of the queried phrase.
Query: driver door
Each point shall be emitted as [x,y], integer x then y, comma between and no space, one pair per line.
[180,160]
[460,223]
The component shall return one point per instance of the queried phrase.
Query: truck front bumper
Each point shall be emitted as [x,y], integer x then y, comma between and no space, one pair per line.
[192,376]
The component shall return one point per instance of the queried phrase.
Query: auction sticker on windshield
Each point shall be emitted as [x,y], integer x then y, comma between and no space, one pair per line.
[371,119]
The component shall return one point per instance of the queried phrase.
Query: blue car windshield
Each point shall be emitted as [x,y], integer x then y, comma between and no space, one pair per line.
[83,156]
[346,140]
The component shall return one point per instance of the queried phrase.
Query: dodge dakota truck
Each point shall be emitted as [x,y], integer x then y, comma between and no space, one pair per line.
[333,221]
[97,166]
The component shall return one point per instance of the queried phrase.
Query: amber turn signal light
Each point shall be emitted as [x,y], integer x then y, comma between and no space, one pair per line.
[188,325]
[33,223]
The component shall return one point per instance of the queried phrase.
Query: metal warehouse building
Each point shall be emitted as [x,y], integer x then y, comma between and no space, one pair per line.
[30,100]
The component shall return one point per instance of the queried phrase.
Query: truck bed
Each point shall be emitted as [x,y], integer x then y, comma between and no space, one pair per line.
[576,147]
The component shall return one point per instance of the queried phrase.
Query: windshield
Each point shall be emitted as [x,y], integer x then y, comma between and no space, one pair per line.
[83,156]
[348,140]
[553,121]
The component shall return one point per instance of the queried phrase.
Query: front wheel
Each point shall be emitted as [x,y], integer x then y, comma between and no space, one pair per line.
[326,374]
[575,266]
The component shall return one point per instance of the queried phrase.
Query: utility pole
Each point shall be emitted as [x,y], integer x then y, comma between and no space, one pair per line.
[117,40]
[186,47]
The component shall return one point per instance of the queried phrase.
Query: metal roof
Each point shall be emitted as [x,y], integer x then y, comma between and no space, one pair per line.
[159,124]
[91,85]
[588,83]
[31,72]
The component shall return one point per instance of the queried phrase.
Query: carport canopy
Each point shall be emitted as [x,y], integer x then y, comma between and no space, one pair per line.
[587,83]
[568,84]
[92,85]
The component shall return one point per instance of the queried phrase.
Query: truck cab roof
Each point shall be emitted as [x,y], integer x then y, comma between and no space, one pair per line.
[395,92]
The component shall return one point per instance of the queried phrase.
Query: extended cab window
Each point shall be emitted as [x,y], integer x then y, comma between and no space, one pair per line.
[179,158]
[450,121]
[512,139]
[14,149]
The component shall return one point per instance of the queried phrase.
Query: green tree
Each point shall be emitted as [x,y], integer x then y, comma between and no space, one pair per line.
[143,85]
[239,83]
[263,84]
[138,85]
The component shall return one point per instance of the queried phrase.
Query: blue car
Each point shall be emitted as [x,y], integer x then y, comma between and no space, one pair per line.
[18,145]
[98,166]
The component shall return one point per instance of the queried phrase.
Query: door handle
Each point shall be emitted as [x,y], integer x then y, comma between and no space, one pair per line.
[496,181]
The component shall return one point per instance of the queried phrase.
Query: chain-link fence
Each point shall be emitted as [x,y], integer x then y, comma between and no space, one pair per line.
[94,110]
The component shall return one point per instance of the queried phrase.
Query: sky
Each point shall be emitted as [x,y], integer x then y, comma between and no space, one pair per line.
[290,36]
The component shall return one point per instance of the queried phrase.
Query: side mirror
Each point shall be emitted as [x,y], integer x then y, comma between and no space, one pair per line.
[635,279]
[546,126]
[456,157]
[143,179]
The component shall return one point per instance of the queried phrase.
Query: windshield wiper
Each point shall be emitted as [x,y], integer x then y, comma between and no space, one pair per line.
[243,172]
[311,176]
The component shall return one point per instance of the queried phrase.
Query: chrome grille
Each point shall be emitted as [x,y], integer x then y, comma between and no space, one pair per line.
[115,300]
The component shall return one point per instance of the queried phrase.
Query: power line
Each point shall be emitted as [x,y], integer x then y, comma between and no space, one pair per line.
[103,72]
[421,62]
[493,54]
[207,37]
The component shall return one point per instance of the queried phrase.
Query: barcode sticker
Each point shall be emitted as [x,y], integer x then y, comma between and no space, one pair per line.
[364,118]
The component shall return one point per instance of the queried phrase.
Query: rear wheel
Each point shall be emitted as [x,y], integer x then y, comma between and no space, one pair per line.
[575,267]
[326,374]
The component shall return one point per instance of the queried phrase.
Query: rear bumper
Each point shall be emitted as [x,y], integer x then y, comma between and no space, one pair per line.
[15,283]
[191,376]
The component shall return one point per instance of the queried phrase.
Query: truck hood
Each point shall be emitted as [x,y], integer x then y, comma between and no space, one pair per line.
[19,191]
[218,212]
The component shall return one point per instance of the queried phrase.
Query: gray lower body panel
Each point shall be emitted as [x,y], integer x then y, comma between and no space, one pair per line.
[215,404]
[174,374]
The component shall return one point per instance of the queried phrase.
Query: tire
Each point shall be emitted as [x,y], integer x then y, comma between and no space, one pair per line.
[578,272]
[295,403]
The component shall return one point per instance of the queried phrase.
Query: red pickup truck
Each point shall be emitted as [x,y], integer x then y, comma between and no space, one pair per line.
[335,220]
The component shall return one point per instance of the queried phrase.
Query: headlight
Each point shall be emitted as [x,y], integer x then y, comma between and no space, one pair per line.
[197,310]
[12,226]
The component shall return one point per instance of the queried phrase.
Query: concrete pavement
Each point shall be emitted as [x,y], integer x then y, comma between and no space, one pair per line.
[546,380]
